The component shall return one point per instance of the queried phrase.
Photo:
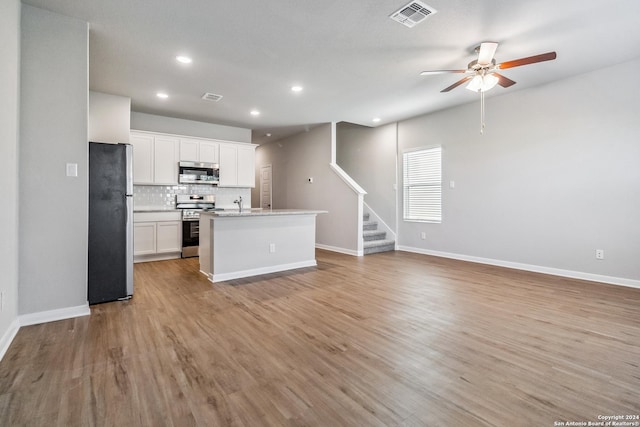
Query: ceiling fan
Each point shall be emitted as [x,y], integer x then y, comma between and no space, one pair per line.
[482,73]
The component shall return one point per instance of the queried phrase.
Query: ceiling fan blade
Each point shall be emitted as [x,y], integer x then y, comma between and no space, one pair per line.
[487,50]
[428,73]
[504,81]
[528,60]
[456,84]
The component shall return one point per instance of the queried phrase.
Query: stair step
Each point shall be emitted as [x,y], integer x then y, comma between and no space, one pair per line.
[370,235]
[369,225]
[376,246]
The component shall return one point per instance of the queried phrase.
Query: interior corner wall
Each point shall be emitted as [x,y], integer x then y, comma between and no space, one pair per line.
[53,132]
[368,155]
[9,122]
[162,124]
[554,177]
[308,155]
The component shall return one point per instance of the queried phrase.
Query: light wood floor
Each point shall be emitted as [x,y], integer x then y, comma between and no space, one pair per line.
[392,339]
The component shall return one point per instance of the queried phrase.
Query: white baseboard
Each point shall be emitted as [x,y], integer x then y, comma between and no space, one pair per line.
[262,270]
[8,337]
[620,281]
[53,315]
[340,250]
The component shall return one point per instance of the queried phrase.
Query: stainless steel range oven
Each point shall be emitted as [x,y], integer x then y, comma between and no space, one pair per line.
[192,205]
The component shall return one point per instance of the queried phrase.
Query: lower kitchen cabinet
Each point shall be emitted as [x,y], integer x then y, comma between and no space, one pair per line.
[156,236]
[168,236]
[144,240]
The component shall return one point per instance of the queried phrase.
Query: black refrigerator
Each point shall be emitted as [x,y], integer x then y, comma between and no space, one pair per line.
[110,269]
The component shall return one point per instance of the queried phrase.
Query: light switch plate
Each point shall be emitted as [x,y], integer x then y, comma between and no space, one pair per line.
[72,169]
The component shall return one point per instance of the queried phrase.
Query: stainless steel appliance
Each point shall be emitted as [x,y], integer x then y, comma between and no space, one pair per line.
[192,205]
[198,173]
[110,239]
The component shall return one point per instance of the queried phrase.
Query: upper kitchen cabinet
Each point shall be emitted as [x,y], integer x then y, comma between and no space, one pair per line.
[195,150]
[142,158]
[155,158]
[166,157]
[209,152]
[237,165]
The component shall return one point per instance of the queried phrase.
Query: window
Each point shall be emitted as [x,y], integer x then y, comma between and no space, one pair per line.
[422,184]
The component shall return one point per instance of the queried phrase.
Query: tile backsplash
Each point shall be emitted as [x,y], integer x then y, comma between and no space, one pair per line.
[164,196]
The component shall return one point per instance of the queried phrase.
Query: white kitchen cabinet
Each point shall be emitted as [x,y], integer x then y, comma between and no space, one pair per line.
[157,235]
[228,165]
[168,236]
[155,158]
[143,158]
[196,150]
[144,240]
[209,151]
[166,157]
[237,165]
[189,150]
[246,166]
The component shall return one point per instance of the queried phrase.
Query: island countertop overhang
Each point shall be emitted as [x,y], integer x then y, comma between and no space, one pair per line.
[260,212]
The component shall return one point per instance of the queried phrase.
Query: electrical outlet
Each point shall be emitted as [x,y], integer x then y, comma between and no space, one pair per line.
[423,235]
[599,253]
[272,248]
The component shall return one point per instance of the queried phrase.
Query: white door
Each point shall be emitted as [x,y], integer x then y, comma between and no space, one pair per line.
[144,238]
[228,165]
[166,155]
[169,236]
[209,152]
[246,166]
[142,158]
[265,186]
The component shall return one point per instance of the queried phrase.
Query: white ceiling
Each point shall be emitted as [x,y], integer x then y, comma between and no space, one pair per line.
[353,61]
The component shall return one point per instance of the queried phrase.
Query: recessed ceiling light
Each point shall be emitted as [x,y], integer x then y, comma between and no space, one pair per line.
[184,59]
[268,135]
[296,88]
[162,95]
[376,119]
[255,112]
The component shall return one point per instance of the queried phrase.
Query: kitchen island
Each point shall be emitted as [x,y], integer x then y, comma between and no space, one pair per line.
[236,244]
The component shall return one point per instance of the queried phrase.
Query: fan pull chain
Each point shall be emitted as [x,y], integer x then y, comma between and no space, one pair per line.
[481,112]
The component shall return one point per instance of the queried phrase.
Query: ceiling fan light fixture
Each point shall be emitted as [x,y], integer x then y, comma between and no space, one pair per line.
[482,83]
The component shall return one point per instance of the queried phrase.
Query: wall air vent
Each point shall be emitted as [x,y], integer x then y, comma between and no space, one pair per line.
[211,97]
[412,14]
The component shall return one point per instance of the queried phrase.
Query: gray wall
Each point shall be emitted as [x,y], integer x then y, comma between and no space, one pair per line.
[109,117]
[153,123]
[368,155]
[53,132]
[554,177]
[9,105]
[293,161]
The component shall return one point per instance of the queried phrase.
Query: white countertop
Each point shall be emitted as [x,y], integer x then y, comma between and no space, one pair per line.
[155,209]
[261,212]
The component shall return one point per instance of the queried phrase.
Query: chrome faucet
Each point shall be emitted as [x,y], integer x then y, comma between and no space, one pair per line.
[239,202]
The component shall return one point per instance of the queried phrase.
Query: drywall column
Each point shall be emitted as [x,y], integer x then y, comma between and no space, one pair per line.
[9,104]
[53,133]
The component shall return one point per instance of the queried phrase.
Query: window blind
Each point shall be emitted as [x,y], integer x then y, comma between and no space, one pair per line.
[422,183]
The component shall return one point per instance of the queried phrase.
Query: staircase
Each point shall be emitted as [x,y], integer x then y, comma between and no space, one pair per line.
[375,240]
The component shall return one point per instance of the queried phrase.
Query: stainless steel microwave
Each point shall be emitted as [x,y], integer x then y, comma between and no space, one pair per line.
[198,173]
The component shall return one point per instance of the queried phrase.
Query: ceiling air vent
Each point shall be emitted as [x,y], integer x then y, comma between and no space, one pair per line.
[412,14]
[211,97]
